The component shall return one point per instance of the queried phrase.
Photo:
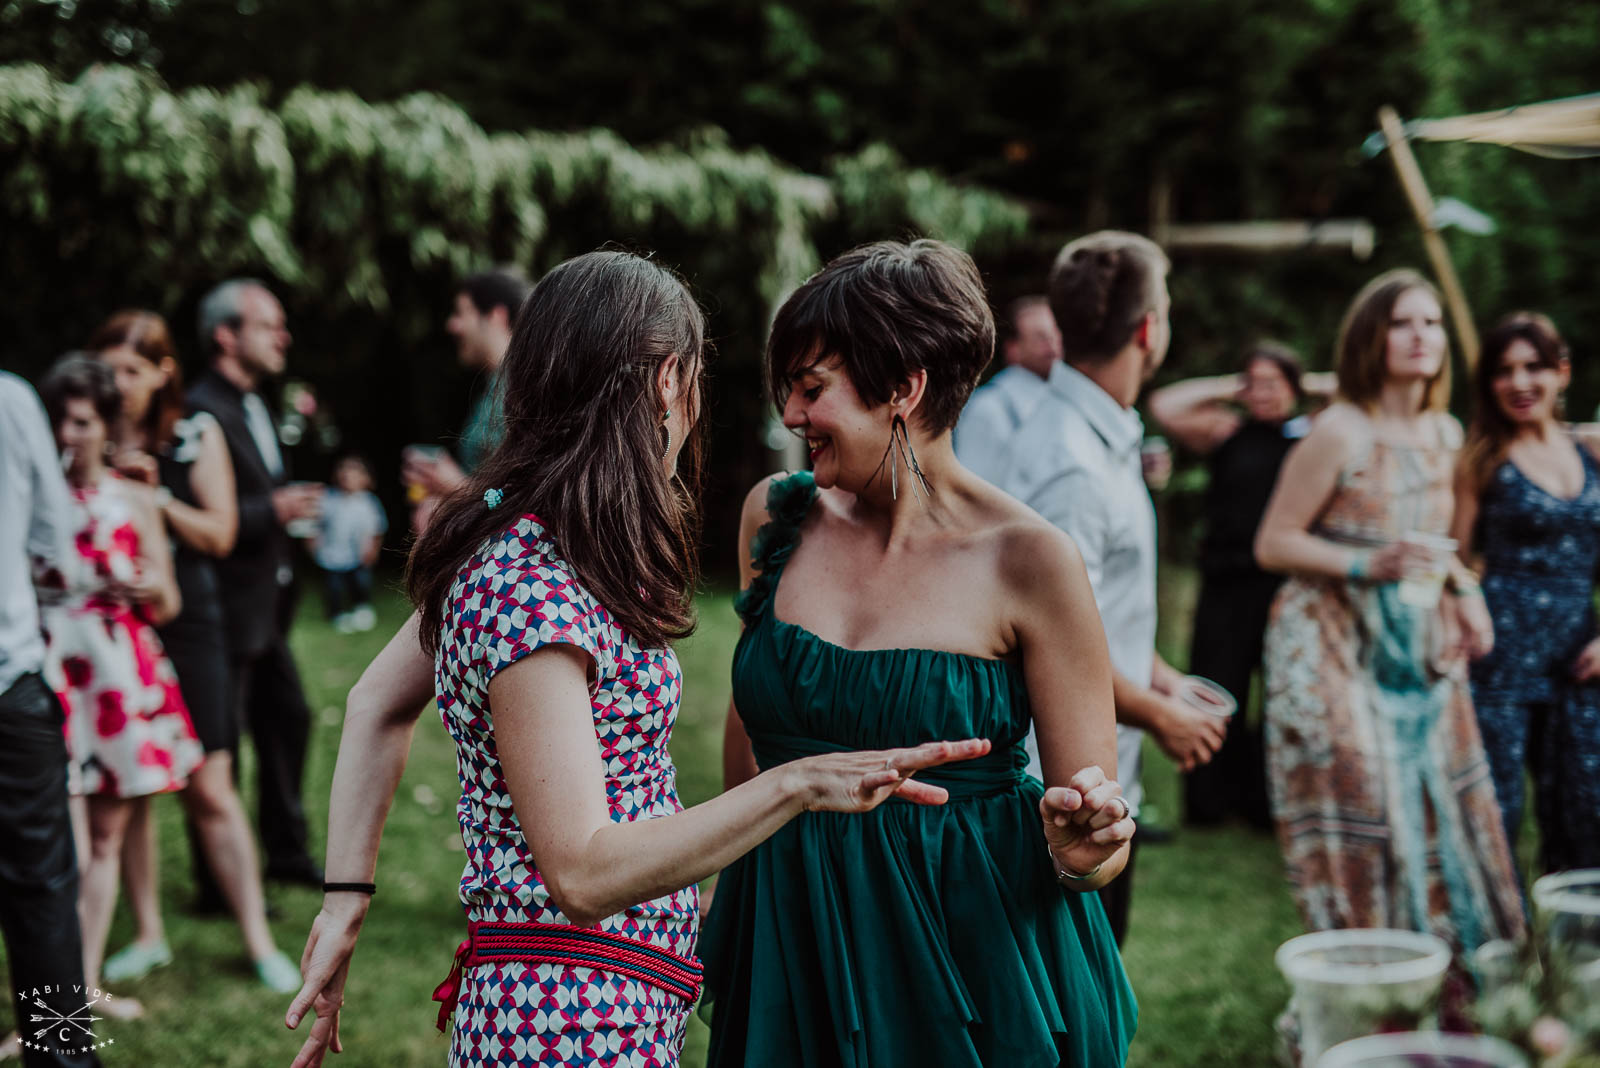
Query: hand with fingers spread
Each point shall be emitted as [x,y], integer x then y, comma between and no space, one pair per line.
[861,781]
[1085,823]
[324,966]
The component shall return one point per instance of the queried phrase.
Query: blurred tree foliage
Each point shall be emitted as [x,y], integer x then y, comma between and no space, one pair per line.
[1248,108]
[117,191]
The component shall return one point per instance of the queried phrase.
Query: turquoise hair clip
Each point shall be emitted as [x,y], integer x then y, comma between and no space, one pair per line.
[493,497]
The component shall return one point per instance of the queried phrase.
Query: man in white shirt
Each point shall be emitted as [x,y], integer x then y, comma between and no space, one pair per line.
[38,868]
[1075,461]
[1001,405]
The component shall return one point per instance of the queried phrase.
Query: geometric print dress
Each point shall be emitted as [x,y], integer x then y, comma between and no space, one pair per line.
[513,597]
[1385,807]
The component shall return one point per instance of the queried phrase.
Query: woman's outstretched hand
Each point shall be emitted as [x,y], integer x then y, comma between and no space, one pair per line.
[1086,821]
[861,781]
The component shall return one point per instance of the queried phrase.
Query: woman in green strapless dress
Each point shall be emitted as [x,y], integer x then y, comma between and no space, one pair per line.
[934,936]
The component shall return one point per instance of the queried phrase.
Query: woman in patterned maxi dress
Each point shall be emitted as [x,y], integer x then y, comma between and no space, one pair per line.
[1380,788]
[549,590]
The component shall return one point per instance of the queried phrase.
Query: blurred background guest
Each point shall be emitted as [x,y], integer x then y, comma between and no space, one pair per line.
[38,865]
[1528,502]
[1379,782]
[184,457]
[1244,425]
[128,731]
[481,318]
[349,534]
[1031,344]
[1076,462]
[243,331]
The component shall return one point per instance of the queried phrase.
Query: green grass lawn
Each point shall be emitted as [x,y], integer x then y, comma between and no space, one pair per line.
[1209,908]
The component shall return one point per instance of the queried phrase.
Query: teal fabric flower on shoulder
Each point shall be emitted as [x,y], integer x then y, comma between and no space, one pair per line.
[788,501]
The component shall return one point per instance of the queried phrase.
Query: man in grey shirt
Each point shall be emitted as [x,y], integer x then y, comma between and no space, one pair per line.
[1075,461]
[38,866]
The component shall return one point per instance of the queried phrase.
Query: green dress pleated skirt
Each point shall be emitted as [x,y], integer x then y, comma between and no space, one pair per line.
[928,936]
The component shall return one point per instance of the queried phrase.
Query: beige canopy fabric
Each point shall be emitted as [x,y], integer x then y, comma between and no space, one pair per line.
[1561,129]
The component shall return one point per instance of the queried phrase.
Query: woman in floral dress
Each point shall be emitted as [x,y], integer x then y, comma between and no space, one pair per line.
[128,731]
[1380,788]
[549,589]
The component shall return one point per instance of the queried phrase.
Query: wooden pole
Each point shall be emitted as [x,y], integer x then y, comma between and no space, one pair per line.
[1416,190]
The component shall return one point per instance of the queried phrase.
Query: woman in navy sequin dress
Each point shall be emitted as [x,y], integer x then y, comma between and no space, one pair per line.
[1528,502]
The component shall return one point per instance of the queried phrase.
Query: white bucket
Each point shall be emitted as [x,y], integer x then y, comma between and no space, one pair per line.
[1433,1049]
[1360,981]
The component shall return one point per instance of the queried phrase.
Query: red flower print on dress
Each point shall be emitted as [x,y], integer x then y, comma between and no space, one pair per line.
[152,755]
[112,716]
[78,669]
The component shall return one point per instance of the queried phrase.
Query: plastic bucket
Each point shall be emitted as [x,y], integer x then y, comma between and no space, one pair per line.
[1360,981]
[1424,1049]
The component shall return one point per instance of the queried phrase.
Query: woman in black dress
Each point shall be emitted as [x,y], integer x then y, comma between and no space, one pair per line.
[185,457]
[1244,424]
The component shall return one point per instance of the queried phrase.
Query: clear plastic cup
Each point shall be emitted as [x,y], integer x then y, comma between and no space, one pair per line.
[1567,906]
[1207,696]
[1361,981]
[1497,965]
[1422,586]
[1424,1049]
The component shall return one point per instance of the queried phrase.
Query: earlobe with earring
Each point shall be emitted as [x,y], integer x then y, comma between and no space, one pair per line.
[901,451]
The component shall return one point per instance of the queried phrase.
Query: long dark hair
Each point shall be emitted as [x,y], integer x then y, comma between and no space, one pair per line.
[583,448]
[1491,431]
[146,333]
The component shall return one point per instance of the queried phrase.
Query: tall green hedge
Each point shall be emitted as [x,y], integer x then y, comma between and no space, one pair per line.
[116,191]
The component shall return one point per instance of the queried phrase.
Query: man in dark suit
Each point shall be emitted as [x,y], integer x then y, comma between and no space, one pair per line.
[243,329]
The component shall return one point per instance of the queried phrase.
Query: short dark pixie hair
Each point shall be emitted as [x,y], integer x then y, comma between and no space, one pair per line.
[887,310]
[79,376]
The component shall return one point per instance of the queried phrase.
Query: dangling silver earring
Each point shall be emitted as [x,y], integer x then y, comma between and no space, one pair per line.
[900,441]
[666,429]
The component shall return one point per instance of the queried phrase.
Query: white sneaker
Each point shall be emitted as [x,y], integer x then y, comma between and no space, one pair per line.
[344,623]
[363,618]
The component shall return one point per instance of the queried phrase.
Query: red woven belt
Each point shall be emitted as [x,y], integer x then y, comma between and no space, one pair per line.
[489,942]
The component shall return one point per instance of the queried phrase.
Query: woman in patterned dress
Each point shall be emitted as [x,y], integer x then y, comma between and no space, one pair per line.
[549,589]
[128,731]
[1528,503]
[1382,795]
[184,458]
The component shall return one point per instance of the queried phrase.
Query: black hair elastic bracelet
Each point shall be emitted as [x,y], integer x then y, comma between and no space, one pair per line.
[350,888]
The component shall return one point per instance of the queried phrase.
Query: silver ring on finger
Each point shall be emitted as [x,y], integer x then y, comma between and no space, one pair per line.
[1126,809]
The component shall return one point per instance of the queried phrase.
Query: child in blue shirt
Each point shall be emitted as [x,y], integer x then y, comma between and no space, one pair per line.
[350,532]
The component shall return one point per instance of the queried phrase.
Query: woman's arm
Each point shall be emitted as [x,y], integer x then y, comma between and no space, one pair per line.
[1306,483]
[738,759]
[380,717]
[211,527]
[593,867]
[1195,411]
[1464,522]
[156,587]
[1068,672]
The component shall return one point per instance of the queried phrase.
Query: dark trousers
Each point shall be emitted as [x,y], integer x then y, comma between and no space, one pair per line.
[39,876]
[1229,625]
[273,705]
[344,590]
[1117,895]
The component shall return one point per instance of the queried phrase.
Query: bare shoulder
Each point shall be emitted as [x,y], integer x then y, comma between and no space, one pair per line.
[1337,431]
[1037,558]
